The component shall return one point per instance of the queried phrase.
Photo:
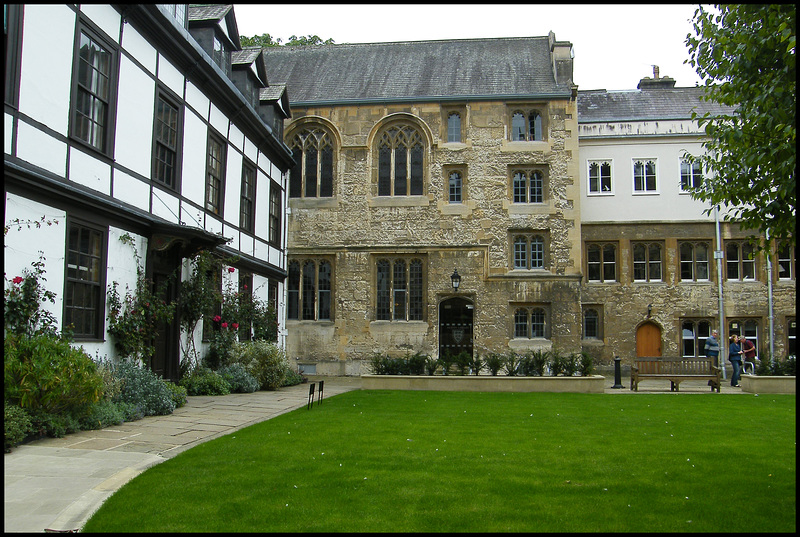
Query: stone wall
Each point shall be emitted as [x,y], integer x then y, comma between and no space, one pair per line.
[356,226]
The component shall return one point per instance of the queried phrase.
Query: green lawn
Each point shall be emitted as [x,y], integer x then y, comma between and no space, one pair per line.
[410,461]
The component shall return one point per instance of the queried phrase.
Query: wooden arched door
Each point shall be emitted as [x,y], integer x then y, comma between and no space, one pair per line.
[648,340]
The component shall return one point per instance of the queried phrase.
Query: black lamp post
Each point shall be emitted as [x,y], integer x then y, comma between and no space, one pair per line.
[456,280]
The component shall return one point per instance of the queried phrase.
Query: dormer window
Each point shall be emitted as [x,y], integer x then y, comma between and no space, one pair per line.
[220,56]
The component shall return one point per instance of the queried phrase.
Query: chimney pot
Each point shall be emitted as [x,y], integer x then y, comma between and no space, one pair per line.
[655,72]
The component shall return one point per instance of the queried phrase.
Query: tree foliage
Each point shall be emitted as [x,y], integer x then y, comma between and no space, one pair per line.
[266,40]
[746,56]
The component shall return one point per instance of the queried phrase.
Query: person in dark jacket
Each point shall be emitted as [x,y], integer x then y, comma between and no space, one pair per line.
[712,347]
[735,357]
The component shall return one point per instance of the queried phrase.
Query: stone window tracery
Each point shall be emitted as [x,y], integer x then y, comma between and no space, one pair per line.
[312,176]
[401,156]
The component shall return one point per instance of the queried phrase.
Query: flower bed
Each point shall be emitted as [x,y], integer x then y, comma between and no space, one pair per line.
[768,384]
[484,383]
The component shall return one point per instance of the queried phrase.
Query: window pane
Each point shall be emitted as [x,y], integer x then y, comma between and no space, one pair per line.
[689,348]
[454,127]
[537,323]
[594,177]
[324,290]
[520,253]
[293,306]
[399,290]
[455,187]
[535,126]
[416,170]
[687,261]
[311,172]
[520,190]
[654,262]
[593,262]
[384,293]
[609,263]
[537,187]
[537,252]
[591,324]
[385,171]
[309,291]
[517,127]
[415,291]
[326,181]
[521,323]
[640,262]
[400,171]
[701,260]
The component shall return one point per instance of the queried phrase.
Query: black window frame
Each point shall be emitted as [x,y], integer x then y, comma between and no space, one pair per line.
[275,219]
[215,206]
[69,308]
[106,147]
[247,200]
[174,102]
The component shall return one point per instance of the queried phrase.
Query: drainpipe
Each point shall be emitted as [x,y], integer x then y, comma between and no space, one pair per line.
[723,334]
[771,315]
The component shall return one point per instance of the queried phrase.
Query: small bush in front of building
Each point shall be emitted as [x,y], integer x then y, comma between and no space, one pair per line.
[143,388]
[777,368]
[431,365]
[17,425]
[238,378]
[557,363]
[511,364]
[494,362]
[292,378]
[204,381]
[585,365]
[265,361]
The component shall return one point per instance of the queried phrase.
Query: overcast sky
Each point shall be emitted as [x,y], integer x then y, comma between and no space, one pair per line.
[614,45]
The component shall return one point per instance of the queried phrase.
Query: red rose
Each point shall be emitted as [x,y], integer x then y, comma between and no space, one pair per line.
[231,269]
[235,325]
[224,325]
[217,318]
[17,279]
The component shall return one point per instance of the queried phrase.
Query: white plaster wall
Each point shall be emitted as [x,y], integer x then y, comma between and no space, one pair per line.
[170,76]
[195,138]
[105,17]
[134,132]
[41,149]
[669,204]
[22,246]
[131,190]
[88,171]
[136,45]
[46,66]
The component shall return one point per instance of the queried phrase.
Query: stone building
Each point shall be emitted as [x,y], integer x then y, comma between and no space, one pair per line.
[653,263]
[417,160]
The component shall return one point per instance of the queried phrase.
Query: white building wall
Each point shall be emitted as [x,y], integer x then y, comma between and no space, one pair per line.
[668,204]
[136,98]
[46,66]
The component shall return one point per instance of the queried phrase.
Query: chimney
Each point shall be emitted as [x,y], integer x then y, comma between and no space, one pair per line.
[562,56]
[648,83]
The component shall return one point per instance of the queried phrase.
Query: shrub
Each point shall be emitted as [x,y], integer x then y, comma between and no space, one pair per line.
[45,372]
[570,365]
[511,364]
[144,389]
[239,379]
[778,368]
[476,364]
[52,424]
[178,394]
[462,361]
[204,381]
[446,360]
[534,363]
[101,414]
[585,365]
[494,362]
[558,363]
[292,378]
[416,364]
[431,364]
[17,425]
[266,362]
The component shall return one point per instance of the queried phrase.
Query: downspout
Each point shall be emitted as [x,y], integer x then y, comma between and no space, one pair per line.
[722,332]
[771,314]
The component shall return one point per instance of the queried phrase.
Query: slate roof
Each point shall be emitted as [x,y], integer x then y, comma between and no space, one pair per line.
[649,104]
[417,70]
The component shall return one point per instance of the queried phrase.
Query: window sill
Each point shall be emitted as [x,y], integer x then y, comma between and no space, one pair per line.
[399,201]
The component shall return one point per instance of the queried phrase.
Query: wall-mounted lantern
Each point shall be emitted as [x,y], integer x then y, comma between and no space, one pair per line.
[649,310]
[455,279]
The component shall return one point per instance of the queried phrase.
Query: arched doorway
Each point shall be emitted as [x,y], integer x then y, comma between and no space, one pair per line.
[455,326]
[648,340]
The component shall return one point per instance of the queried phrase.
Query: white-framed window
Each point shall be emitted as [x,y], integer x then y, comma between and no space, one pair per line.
[529,251]
[740,260]
[600,180]
[531,321]
[694,260]
[691,175]
[647,261]
[694,333]
[644,176]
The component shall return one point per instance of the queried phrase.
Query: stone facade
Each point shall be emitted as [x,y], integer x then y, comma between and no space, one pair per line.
[355,226]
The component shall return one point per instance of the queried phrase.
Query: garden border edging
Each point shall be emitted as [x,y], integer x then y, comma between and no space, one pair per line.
[485,383]
[768,384]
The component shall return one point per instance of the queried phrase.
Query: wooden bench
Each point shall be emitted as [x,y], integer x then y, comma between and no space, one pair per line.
[676,370]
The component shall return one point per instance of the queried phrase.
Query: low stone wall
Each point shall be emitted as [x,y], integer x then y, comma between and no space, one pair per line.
[758,384]
[485,383]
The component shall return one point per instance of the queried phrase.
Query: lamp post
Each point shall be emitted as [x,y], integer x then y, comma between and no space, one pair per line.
[455,279]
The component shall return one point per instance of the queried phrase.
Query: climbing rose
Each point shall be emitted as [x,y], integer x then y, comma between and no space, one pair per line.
[17,279]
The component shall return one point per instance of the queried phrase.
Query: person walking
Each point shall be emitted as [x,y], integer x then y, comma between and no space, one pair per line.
[712,347]
[735,357]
